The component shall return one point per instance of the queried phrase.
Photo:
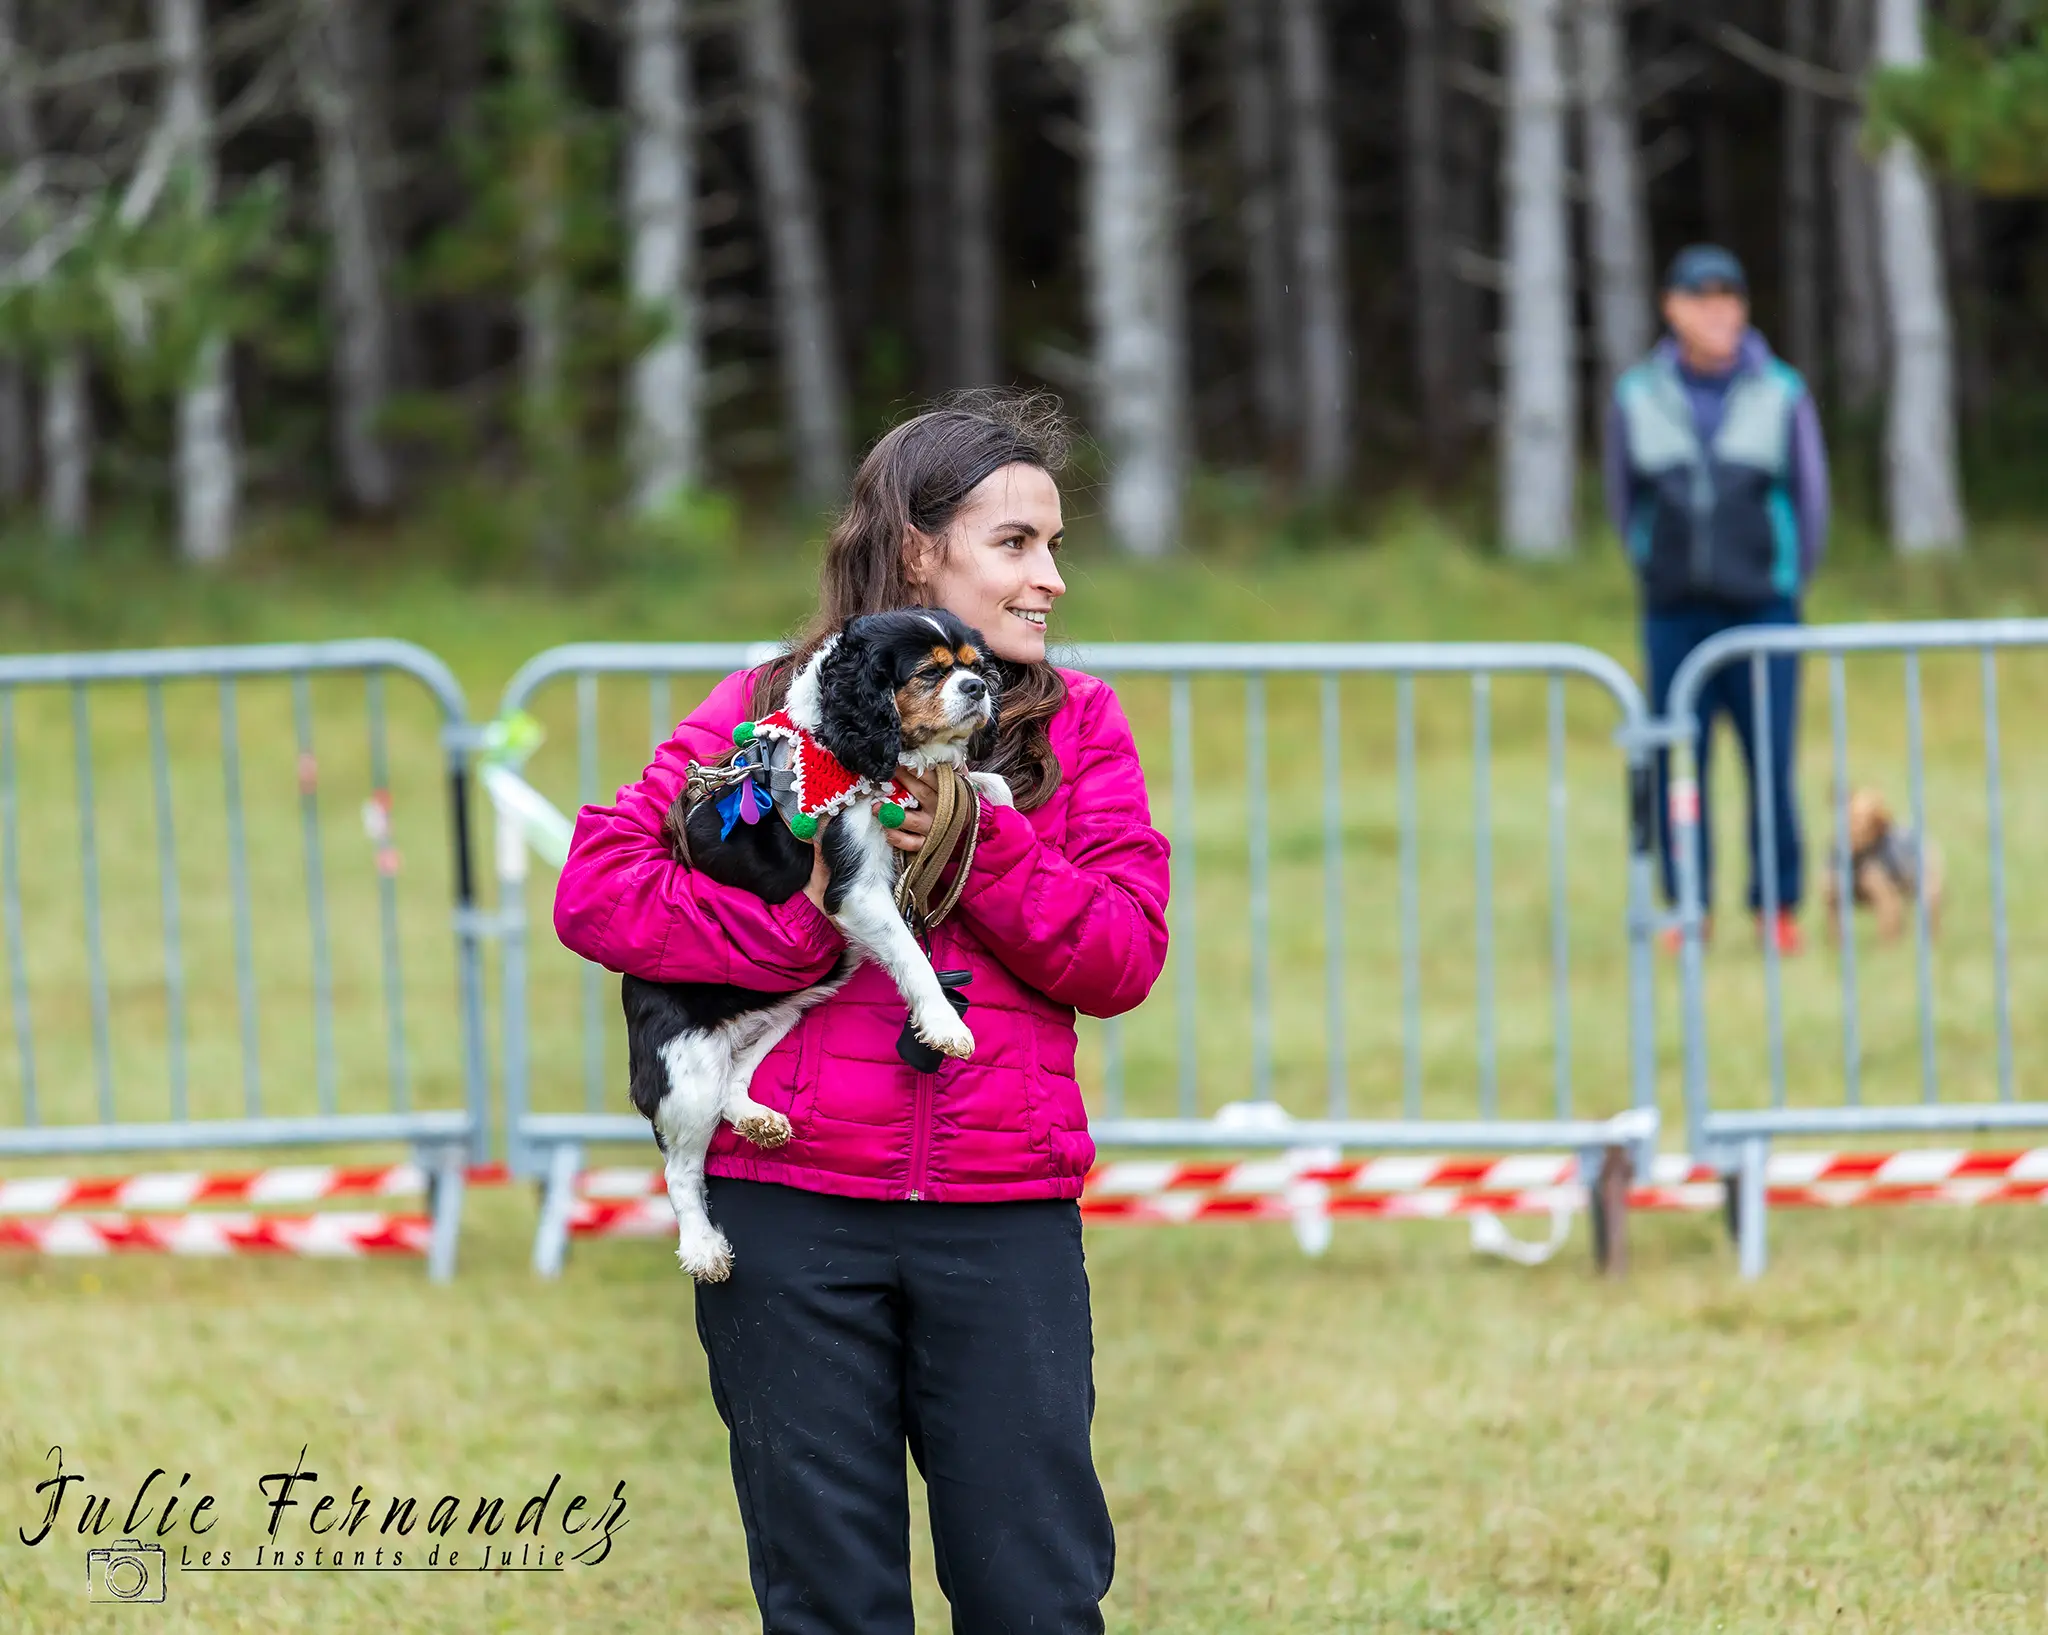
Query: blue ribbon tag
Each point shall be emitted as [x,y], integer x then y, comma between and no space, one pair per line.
[745,802]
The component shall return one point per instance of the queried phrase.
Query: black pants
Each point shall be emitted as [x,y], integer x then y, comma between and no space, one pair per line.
[850,1329]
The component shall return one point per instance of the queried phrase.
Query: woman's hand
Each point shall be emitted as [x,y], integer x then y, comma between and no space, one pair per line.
[820,874]
[917,820]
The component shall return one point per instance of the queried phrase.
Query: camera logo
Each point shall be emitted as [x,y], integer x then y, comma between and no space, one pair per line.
[126,1571]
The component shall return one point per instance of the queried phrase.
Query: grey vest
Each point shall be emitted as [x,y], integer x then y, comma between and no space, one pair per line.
[1711,523]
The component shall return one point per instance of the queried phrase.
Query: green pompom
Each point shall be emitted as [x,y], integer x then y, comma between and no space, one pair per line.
[890,816]
[804,826]
[743,734]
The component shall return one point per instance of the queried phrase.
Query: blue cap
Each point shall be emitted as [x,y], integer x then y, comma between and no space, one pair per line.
[1700,269]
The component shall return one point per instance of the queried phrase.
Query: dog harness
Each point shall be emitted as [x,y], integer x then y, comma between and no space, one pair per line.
[1896,854]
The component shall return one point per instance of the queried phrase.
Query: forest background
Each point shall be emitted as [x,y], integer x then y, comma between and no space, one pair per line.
[556,287]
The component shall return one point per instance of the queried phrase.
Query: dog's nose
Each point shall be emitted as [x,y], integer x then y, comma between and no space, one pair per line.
[973,687]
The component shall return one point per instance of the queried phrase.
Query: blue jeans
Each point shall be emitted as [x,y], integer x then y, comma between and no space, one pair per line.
[1669,634]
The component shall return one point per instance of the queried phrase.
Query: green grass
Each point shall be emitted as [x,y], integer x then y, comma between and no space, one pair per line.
[1392,1438]
[1395,1437]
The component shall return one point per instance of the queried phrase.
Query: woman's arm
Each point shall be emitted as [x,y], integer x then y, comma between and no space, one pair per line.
[1084,924]
[625,902]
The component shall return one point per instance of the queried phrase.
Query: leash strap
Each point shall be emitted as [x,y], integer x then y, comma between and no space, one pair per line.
[956,825]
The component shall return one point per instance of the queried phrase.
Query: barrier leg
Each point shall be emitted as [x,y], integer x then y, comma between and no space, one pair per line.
[445,1183]
[1751,1249]
[1609,1198]
[557,1201]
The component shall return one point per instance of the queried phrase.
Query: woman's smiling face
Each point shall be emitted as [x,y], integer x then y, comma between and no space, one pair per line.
[995,565]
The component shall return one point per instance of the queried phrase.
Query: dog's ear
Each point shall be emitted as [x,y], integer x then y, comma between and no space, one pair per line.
[857,719]
[983,744]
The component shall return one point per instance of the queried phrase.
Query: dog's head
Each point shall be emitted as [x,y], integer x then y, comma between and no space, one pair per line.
[915,686]
[1870,819]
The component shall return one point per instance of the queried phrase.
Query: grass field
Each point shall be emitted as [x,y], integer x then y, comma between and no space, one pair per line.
[1392,1438]
[1395,1437]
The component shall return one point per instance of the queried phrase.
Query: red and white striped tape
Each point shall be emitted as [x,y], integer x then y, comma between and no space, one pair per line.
[336,1235]
[1521,1171]
[49,1213]
[629,1202]
[1144,1178]
[616,1216]
[1128,1178]
[120,1214]
[1112,1180]
[290,1184]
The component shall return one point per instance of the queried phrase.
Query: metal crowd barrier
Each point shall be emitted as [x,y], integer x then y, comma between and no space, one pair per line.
[550,1142]
[1737,1140]
[155,914]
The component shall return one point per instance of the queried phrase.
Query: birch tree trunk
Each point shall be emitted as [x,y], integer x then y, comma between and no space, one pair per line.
[1539,423]
[1134,274]
[665,423]
[67,445]
[1923,492]
[1859,294]
[931,325]
[1259,221]
[975,346]
[1317,208]
[1430,278]
[1801,232]
[358,299]
[208,465]
[1617,233]
[812,379]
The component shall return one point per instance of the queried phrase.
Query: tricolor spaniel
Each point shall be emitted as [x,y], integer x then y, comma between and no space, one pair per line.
[910,688]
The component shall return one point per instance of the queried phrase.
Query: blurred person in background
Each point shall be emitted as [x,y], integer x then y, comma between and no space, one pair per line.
[1717,481]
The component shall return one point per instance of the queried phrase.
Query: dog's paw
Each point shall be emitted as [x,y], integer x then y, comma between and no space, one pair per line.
[765,1128]
[992,787]
[706,1258]
[949,1037]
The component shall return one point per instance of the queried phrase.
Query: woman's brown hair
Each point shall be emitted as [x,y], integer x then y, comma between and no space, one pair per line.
[918,476]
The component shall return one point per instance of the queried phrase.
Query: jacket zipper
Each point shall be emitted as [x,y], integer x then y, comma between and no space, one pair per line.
[923,1086]
[921,1134]
[1703,507]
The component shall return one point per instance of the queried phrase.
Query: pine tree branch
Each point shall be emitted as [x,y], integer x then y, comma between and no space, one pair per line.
[260,97]
[1659,78]
[40,259]
[146,186]
[100,62]
[1771,62]
[1476,82]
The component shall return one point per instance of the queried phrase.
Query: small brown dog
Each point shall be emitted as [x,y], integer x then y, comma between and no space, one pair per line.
[1884,868]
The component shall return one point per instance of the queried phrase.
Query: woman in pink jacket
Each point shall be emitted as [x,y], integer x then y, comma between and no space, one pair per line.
[908,1270]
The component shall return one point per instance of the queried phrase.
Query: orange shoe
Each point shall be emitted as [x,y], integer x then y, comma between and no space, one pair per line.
[1785,933]
[1672,937]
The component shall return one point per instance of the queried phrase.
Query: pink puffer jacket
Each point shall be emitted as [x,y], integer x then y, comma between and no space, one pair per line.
[1065,910]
